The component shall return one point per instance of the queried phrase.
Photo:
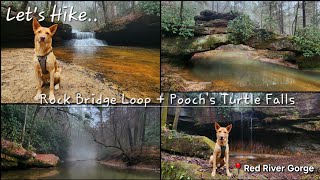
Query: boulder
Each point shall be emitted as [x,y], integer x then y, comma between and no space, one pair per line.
[13,149]
[269,40]
[208,15]
[14,156]
[8,162]
[210,22]
[46,160]
[133,29]
[199,146]
[308,62]
[306,105]
[181,47]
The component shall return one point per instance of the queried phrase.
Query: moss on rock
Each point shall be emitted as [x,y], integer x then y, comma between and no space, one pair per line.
[199,146]
[181,47]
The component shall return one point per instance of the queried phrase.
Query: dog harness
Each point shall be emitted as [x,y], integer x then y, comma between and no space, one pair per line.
[43,61]
[223,151]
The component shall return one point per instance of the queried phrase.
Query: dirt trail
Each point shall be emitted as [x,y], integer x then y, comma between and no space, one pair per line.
[18,79]
[298,160]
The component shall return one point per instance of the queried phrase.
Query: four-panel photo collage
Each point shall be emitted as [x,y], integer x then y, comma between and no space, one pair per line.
[160,90]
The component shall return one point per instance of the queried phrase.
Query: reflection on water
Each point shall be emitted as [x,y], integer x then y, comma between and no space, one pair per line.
[79,170]
[253,75]
[135,70]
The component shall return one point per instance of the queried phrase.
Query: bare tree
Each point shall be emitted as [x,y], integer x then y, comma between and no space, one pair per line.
[304,13]
[24,124]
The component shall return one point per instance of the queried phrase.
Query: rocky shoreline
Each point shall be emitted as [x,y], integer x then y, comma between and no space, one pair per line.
[13,156]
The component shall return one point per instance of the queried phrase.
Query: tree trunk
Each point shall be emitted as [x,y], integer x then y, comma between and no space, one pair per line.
[51,7]
[281,18]
[316,14]
[32,124]
[296,20]
[181,11]
[24,5]
[143,127]
[164,110]
[212,5]
[24,125]
[132,5]
[217,4]
[176,117]
[101,124]
[129,136]
[304,14]
[105,12]
[270,9]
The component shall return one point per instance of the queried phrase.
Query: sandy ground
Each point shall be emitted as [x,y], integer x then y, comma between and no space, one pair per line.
[18,84]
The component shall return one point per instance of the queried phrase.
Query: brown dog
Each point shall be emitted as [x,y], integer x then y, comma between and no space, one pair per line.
[220,155]
[46,67]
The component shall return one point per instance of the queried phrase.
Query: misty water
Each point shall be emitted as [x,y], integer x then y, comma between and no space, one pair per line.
[134,69]
[79,170]
[85,39]
[237,73]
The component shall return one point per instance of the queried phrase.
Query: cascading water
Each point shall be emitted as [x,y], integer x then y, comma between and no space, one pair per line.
[86,39]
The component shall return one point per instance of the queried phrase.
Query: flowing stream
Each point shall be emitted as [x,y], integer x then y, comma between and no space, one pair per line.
[135,70]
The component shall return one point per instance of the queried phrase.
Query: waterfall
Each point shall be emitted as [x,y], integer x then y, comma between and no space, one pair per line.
[85,39]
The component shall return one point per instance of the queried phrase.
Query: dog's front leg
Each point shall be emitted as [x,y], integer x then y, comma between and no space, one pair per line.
[227,165]
[51,94]
[39,85]
[214,164]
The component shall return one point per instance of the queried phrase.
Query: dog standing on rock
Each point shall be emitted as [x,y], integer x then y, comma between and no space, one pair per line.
[220,155]
[46,67]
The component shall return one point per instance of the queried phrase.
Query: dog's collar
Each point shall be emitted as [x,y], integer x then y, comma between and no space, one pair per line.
[42,61]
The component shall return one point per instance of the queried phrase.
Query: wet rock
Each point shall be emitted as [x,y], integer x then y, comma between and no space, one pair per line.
[199,146]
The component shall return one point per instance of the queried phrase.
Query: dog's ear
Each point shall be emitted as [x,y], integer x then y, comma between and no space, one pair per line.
[216,126]
[53,28]
[229,127]
[35,25]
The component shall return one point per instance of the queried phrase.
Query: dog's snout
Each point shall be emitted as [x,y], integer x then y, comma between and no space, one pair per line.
[221,138]
[42,38]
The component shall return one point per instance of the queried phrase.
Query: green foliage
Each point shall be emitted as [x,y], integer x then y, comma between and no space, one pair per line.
[47,135]
[240,29]
[172,24]
[308,39]
[150,7]
[270,23]
[263,34]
